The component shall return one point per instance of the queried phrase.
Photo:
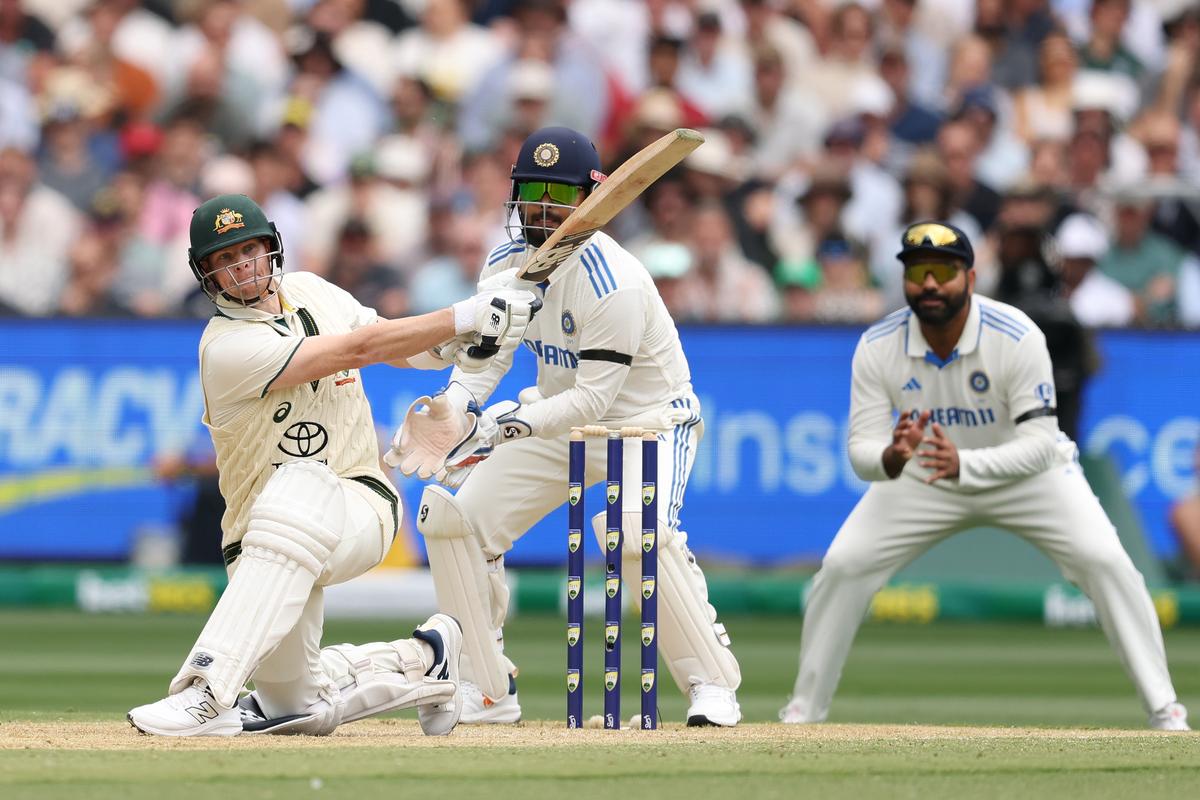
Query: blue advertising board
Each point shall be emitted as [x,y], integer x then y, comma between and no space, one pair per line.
[86,405]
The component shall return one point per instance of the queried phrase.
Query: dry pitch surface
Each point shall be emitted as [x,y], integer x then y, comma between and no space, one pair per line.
[390,758]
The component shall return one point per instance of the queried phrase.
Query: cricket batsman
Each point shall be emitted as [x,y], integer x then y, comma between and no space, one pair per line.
[607,353]
[976,443]
[308,505]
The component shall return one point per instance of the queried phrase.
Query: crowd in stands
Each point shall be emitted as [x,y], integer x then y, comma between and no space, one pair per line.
[1062,135]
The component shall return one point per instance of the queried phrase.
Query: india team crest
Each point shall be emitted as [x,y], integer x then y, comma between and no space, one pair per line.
[647,679]
[574,539]
[573,634]
[614,492]
[572,680]
[612,632]
[647,493]
[648,586]
[227,220]
[546,155]
[647,541]
[612,539]
[573,584]
[568,323]
[647,633]
[574,492]
[611,676]
[612,586]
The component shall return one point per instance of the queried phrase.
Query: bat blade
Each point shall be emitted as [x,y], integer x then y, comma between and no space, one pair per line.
[619,190]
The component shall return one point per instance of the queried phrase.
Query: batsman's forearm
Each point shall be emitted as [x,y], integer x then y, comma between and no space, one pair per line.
[395,340]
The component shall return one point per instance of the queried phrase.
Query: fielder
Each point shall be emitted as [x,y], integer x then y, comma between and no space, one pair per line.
[307,503]
[976,443]
[607,353]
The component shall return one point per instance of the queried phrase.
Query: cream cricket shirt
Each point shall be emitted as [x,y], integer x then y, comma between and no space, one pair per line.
[606,346]
[256,428]
[993,397]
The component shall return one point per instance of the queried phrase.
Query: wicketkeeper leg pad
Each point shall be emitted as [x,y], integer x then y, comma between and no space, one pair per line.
[295,524]
[693,644]
[468,588]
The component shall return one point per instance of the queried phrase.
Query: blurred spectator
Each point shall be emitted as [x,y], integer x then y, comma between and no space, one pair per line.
[1097,301]
[822,205]
[67,163]
[37,228]
[790,120]
[959,149]
[1104,50]
[1003,158]
[664,55]
[767,28]
[875,196]
[1176,204]
[1014,29]
[383,190]
[910,43]
[447,51]
[970,66]
[1043,110]
[1027,282]
[347,115]
[126,89]
[362,36]
[727,287]
[270,175]
[450,277]
[226,66]
[1189,138]
[1144,261]
[912,124]
[138,36]
[357,269]
[93,272]
[670,264]
[531,87]
[415,115]
[151,282]
[834,288]
[1184,518]
[713,72]
[848,60]
[669,209]
[581,91]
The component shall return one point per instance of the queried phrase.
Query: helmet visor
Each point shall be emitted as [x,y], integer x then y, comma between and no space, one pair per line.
[562,193]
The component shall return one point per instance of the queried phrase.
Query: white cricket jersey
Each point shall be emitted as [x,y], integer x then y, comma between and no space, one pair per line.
[997,379]
[606,346]
[256,428]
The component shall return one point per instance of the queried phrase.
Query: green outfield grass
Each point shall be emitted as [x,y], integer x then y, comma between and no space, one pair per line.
[67,671]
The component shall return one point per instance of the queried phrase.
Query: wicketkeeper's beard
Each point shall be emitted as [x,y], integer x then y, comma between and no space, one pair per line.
[941,313]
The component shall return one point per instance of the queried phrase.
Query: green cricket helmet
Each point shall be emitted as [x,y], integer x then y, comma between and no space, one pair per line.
[230,219]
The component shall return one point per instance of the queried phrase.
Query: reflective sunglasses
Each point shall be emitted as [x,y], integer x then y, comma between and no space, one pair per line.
[937,234]
[942,271]
[533,191]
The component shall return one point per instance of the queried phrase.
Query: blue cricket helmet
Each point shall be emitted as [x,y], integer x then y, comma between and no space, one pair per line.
[558,155]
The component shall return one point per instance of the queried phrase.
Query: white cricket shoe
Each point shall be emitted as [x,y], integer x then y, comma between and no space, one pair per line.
[192,712]
[479,709]
[1171,717]
[793,714]
[712,705]
[444,635]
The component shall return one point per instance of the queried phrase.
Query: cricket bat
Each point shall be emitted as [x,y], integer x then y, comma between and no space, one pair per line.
[617,191]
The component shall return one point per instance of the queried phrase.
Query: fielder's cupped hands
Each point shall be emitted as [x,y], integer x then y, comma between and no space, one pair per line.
[939,454]
[909,433]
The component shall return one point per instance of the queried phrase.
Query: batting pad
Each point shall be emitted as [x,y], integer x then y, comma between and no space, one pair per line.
[693,644]
[464,588]
[295,524]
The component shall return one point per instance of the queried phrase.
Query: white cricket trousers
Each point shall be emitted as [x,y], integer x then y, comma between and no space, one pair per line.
[897,520]
[291,678]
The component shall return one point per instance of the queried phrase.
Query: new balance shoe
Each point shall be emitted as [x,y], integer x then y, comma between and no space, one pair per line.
[191,712]
[444,636]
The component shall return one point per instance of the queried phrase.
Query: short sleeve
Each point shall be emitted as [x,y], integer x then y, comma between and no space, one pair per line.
[241,364]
